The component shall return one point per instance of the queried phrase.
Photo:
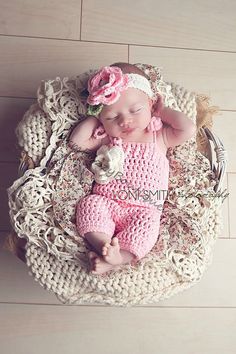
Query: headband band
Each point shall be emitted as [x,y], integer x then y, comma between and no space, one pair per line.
[106,85]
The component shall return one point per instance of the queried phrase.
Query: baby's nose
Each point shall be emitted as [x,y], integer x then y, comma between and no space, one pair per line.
[125,121]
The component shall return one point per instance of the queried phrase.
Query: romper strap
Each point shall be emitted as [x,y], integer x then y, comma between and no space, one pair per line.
[154,136]
[155,125]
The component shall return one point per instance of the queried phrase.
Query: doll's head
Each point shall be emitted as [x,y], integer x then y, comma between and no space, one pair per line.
[120,96]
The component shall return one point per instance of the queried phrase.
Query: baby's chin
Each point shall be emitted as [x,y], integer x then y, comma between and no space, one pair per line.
[136,132]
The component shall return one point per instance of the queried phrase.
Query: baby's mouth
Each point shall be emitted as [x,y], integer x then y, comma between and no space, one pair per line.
[129,130]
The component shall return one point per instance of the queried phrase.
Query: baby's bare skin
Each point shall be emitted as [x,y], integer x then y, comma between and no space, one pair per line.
[109,255]
[111,252]
[98,265]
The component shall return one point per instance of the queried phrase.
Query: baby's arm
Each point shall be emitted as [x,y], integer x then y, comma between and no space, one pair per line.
[179,127]
[82,134]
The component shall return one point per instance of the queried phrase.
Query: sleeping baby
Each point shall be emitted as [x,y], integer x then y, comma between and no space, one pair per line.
[130,133]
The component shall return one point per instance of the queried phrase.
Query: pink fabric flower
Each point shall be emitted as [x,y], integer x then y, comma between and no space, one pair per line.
[105,86]
[155,124]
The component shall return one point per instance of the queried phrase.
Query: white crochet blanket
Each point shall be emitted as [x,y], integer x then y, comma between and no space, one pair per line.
[42,205]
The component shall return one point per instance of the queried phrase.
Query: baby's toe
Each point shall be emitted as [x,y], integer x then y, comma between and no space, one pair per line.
[105,249]
[97,261]
[115,241]
[92,255]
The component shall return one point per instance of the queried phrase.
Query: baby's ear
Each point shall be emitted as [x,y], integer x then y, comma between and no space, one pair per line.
[158,105]
[151,105]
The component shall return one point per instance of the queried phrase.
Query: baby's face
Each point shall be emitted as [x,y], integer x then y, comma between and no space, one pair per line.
[129,116]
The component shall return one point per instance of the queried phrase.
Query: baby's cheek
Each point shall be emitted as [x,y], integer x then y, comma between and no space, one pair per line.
[112,128]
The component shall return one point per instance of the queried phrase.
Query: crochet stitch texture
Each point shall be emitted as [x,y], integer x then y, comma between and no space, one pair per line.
[144,183]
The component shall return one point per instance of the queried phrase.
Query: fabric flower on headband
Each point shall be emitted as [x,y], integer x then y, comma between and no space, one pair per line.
[105,87]
[107,84]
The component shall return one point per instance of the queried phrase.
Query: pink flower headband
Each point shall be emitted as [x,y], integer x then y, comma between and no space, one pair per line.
[107,84]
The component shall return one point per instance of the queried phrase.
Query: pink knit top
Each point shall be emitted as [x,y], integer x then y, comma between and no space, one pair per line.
[145,175]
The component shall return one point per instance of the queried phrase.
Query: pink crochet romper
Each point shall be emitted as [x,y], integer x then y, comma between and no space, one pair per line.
[129,207]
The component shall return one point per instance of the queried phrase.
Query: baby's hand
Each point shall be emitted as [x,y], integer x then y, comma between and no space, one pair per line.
[82,134]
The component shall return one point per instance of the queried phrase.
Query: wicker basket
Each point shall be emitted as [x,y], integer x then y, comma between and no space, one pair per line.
[75,285]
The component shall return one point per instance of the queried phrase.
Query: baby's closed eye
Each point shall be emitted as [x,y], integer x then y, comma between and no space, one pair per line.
[132,112]
[136,110]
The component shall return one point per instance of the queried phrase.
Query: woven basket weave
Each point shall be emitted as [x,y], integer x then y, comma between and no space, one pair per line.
[57,256]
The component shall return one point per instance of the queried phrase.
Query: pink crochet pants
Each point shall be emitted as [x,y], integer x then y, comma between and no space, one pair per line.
[136,227]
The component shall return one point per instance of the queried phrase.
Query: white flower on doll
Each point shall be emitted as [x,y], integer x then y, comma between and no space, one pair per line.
[108,162]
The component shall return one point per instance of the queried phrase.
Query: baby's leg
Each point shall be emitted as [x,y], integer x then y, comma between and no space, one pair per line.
[141,232]
[94,220]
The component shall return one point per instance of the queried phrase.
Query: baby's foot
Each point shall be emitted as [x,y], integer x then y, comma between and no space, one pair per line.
[111,252]
[98,265]
[92,256]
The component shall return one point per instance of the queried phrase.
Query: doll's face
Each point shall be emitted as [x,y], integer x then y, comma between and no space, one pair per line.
[129,116]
